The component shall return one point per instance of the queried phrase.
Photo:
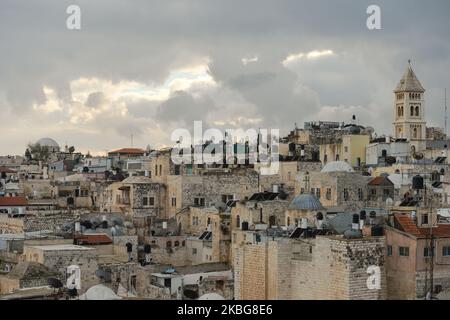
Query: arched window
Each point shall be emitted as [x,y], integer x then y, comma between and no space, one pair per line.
[435,176]
[272,221]
[401,109]
[169,244]
[412,111]
[417,111]
[238,221]
[415,132]
[176,244]
[399,112]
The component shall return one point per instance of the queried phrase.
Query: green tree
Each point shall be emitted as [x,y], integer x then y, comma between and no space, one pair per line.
[38,152]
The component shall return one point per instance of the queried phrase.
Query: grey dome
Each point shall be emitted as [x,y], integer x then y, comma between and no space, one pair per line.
[306,201]
[337,166]
[48,142]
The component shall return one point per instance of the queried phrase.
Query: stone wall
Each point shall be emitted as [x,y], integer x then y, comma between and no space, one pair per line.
[59,260]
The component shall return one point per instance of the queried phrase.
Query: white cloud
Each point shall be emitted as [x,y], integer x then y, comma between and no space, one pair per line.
[292,58]
[246,61]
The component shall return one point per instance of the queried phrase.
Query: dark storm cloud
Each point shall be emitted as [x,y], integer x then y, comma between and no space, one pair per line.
[144,41]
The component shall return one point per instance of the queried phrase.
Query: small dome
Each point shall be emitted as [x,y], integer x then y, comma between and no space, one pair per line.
[99,292]
[306,201]
[337,166]
[48,142]
[211,296]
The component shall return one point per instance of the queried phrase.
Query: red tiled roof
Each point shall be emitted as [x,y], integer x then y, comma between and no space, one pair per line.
[99,238]
[128,151]
[6,170]
[13,201]
[379,181]
[407,224]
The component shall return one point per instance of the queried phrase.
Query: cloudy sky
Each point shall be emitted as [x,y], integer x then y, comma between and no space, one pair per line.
[147,67]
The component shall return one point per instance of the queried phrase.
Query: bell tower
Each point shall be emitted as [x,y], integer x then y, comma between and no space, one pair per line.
[410,121]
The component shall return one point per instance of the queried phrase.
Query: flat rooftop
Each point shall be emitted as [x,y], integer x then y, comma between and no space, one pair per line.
[61,247]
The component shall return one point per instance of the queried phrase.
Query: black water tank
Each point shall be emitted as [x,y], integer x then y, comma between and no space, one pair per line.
[147,248]
[362,215]
[319,216]
[129,247]
[356,218]
[377,231]
[245,225]
[372,214]
[417,182]
[291,147]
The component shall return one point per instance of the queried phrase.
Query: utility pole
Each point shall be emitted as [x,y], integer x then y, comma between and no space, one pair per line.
[445,104]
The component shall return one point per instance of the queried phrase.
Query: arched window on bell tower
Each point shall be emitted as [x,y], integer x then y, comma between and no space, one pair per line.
[417,111]
[412,111]
[415,133]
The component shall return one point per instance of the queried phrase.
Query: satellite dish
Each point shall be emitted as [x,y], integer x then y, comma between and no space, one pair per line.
[54,283]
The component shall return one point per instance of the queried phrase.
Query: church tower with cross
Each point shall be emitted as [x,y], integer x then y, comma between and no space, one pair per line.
[410,121]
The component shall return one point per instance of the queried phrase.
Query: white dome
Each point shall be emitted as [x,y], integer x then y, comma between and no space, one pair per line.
[99,292]
[48,142]
[211,296]
[337,166]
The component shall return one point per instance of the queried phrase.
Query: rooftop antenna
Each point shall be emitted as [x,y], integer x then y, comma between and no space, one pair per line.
[446,117]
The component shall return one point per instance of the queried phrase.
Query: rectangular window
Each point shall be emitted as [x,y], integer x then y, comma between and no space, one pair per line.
[194,251]
[152,201]
[199,202]
[360,194]
[227,197]
[424,218]
[174,202]
[426,252]
[403,251]
[446,251]
[328,194]
[389,251]
[145,201]
[346,197]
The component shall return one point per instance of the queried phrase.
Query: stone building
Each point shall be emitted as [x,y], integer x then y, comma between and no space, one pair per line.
[323,268]
[350,148]
[26,275]
[337,187]
[136,196]
[59,257]
[209,187]
[409,256]
[379,190]
[410,121]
